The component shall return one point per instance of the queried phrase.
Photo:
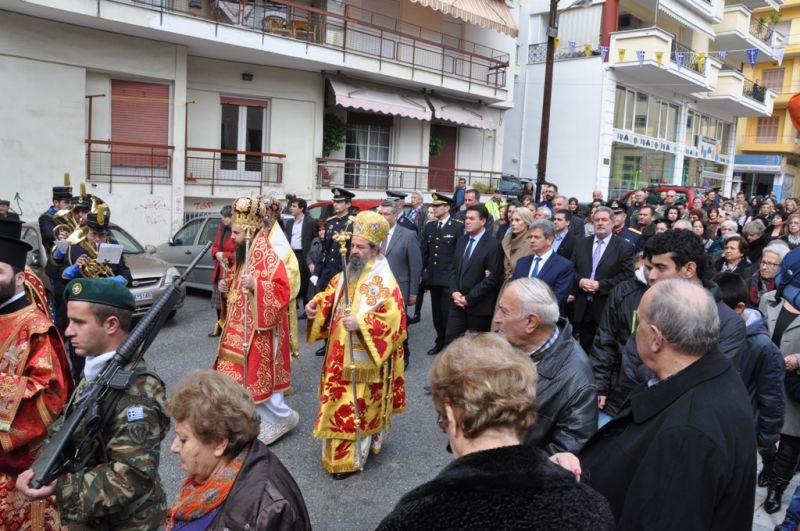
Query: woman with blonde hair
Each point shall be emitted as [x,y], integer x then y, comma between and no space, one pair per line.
[483,391]
[515,242]
[233,481]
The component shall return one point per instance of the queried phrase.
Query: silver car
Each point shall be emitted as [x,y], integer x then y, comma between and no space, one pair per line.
[181,249]
[151,276]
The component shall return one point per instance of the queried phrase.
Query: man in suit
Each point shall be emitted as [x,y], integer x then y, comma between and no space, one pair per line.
[438,247]
[401,249]
[545,264]
[399,199]
[473,197]
[476,278]
[601,262]
[564,241]
[419,212]
[300,231]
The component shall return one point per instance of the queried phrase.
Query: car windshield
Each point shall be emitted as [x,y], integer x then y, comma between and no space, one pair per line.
[128,243]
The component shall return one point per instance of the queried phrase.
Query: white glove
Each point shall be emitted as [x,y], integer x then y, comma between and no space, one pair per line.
[314,279]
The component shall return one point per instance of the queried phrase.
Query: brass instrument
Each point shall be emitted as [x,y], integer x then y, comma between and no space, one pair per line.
[66,220]
[79,236]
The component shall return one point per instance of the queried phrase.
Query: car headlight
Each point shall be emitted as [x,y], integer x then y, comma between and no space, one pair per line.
[170,276]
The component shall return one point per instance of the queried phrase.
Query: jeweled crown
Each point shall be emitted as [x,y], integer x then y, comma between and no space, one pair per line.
[249,212]
[371,226]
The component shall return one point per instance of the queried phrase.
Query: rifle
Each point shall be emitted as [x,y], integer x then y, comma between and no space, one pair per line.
[100,396]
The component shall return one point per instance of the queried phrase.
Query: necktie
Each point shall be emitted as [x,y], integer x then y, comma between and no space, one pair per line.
[536,262]
[598,251]
[468,252]
[439,226]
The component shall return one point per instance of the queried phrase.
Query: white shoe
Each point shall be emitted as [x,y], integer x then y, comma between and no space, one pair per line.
[272,432]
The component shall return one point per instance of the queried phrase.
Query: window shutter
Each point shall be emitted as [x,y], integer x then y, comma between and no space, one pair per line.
[140,114]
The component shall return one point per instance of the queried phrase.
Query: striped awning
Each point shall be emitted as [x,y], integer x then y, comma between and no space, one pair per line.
[379,98]
[492,14]
[477,116]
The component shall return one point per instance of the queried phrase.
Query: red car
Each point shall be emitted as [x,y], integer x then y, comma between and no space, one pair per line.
[685,193]
[324,209]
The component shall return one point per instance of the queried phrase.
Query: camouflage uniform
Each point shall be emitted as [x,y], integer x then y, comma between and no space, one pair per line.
[119,486]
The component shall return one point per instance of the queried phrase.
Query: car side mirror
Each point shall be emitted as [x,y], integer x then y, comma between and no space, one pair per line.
[33,258]
[171,241]
[150,249]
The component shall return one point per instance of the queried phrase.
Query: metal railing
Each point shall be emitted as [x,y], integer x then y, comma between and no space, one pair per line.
[354,30]
[130,162]
[685,57]
[770,139]
[760,30]
[537,53]
[228,167]
[361,175]
[754,91]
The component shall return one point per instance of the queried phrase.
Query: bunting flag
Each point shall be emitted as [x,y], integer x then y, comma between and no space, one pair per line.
[571,47]
[659,58]
[679,58]
[621,53]
[752,54]
[722,54]
[556,41]
[640,56]
[778,51]
[587,50]
[603,53]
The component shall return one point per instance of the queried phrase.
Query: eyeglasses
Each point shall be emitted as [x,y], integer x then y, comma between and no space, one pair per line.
[769,264]
[441,422]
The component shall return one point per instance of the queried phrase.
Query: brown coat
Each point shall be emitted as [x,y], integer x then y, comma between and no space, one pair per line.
[514,248]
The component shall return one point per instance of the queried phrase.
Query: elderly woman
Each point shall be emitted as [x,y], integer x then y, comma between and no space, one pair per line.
[734,257]
[223,250]
[755,232]
[233,481]
[792,236]
[515,242]
[483,391]
[763,280]
[726,228]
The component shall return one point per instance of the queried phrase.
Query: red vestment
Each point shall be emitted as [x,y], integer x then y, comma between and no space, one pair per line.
[267,328]
[35,384]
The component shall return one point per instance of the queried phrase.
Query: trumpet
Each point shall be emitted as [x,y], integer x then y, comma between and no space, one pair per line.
[90,268]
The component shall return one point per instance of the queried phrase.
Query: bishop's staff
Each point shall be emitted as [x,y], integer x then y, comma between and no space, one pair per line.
[248,236]
[342,237]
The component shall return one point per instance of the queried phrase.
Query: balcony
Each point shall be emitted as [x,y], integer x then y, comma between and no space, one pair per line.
[736,95]
[741,30]
[665,62]
[769,144]
[355,32]
[537,53]
[128,162]
[360,175]
[227,167]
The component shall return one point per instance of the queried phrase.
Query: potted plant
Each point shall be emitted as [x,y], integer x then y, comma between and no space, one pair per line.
[436,145]
[334,134]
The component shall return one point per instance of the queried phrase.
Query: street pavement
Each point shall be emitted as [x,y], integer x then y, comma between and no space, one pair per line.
[414,453]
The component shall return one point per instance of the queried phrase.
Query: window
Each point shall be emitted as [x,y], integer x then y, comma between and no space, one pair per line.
[139,114]
[640,118]
[634,111]
[653,111]
[619,108]
[209,231]
[367,150]
[773,79]
[767,130]
[243,124]
[188,233]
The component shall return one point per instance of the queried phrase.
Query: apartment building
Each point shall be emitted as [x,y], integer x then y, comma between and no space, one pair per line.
[169,108]
[644,91]
[768,147]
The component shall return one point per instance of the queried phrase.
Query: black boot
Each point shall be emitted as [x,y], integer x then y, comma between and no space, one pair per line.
[767,461]
[773,502]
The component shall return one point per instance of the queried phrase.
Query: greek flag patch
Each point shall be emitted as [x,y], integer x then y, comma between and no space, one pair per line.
[135,413]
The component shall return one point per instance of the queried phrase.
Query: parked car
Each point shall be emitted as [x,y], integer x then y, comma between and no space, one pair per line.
[151,276]
[512,186]
[181,249]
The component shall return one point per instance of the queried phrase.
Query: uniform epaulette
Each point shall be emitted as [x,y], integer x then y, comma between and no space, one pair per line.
[635,231]
[458,220]
[332,217]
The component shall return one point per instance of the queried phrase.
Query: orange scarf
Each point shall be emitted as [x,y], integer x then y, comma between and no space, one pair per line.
[198,499]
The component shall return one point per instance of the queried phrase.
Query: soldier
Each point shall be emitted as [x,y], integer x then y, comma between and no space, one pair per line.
[330,260]
[400,200]
[630,235]
[118,487]
[438,246]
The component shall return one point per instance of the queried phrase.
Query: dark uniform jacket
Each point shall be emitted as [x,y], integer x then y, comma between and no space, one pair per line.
[330,260]
[511,487]
[119,486]
[264,496]
[438,251]
[566,396]
[47,222]
[681,454]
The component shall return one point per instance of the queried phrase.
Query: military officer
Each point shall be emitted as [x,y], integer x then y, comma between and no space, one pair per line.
[438,245]
[400,199]
[329,262]
[118,487]
[632,236]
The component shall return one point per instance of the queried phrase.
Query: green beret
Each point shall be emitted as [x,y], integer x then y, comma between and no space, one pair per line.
[100,291]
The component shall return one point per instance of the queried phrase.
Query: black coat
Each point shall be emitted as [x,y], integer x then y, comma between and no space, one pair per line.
[437,248]
[615,266]
[509,488]
[567,245]
[264,497]
[566,396]
[681,454]
[307,233]
[469,276]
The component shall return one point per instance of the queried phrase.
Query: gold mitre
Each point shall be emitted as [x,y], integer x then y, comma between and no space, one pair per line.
[371,226]
[249,212]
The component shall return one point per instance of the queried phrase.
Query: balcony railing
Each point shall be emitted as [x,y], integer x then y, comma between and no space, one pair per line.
[537,53]
[215,167]
[131,162]
[362,175]
[754,91]
[354,30]
[770,139]
[761,31]
[685,57]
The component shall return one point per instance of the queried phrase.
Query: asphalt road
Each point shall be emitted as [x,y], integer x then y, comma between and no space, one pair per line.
[414,453]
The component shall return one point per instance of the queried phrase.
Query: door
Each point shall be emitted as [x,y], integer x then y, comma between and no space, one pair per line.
[441,168]
[243,125]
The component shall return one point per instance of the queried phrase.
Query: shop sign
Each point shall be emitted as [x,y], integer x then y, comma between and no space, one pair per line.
[647,142]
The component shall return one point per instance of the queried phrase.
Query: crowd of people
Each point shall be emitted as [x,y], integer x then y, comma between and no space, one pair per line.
[614,365]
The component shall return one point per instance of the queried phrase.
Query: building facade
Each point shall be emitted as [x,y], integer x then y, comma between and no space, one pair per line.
[167,109]
[644,92]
